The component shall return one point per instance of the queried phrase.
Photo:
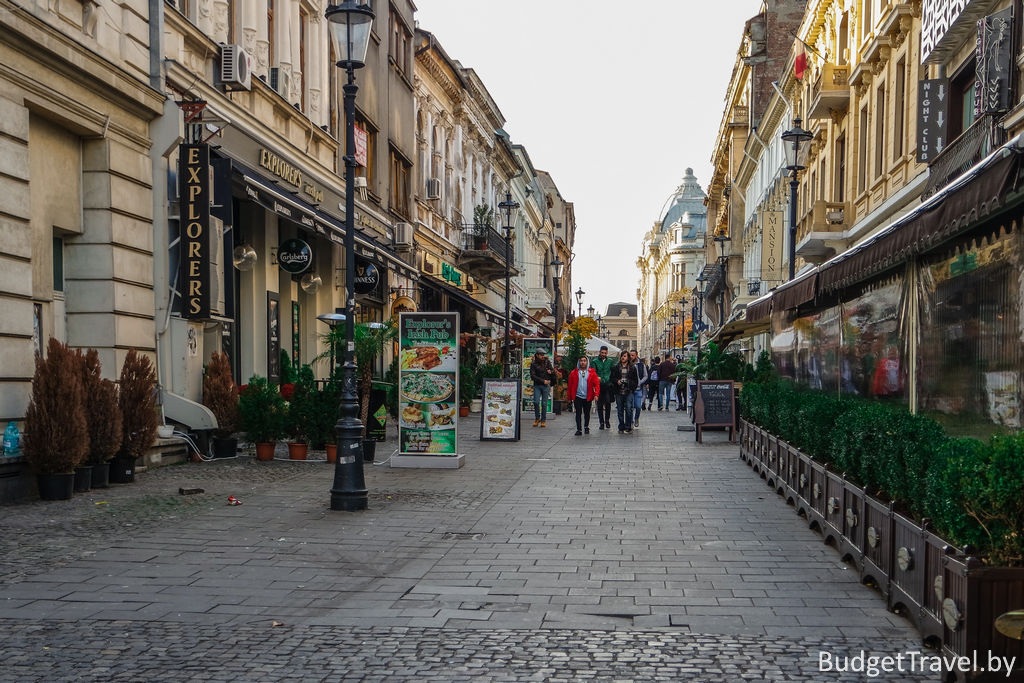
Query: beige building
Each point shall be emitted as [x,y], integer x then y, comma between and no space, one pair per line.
[76,210]
[620,323]
[273,119]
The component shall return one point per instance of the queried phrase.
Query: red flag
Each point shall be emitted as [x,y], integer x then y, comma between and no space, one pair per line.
[800,63]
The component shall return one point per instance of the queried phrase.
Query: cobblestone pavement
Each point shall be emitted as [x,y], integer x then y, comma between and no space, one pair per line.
[605,556]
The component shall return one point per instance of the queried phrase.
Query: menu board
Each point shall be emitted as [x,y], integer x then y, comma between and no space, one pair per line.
[715,406]
[500,417]
[428,383]
[530,346]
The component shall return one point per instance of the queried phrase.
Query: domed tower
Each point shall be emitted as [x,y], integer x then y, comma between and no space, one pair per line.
[686,207]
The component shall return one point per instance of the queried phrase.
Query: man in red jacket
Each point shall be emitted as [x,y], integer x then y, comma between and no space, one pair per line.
[584,387]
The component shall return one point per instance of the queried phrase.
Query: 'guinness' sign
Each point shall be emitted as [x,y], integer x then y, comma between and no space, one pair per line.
[294,256]
[367,277]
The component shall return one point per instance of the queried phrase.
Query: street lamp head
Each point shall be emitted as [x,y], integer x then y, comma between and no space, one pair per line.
[508,207]
[721,239]
[349,24]
[590,311]
[558,267]
[332,318]
[792,144]
[579,296]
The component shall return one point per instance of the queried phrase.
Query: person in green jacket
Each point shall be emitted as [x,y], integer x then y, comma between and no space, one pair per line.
[603,366]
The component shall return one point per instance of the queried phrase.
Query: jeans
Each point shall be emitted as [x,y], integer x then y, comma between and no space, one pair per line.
[581,407]
[638,400]
[624,407]
[665,387]
[541,396]
[604,405]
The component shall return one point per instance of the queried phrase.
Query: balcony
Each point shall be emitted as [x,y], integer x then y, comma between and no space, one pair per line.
[953,160]
[483,253]
[821,234]
[830,91]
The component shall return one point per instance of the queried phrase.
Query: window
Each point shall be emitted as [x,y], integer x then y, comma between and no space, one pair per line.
[898,105]
[840,189]
[880,131]
[961,108]
[400,171]
[821,180]
[844,40]
[58,264]
[866,21]
[401,40]
[862,151]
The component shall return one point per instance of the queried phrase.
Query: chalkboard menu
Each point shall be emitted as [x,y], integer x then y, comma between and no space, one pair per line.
[715,406]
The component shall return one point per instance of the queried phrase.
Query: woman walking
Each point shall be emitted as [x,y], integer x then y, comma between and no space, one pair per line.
[624,381]
[652,382]
[584,387]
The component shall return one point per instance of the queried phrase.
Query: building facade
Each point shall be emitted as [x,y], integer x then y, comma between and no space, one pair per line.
[671,259]
[620,323]
[76,212]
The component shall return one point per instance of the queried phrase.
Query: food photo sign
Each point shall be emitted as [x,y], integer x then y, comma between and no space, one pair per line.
[530,346]
[499,420]
[428,379]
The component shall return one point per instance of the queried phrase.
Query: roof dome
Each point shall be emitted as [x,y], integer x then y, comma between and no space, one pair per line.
[686,205]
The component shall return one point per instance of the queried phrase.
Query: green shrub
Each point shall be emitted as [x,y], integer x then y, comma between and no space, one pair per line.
[953,484]
[302,422]
[262,411]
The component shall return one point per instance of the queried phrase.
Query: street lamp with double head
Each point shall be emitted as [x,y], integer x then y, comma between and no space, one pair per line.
[349,25]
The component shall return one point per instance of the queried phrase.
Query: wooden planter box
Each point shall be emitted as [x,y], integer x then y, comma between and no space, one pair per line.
[953,600]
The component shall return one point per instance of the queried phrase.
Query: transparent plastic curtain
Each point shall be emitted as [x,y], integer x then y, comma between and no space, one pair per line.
[970,355]
[873,354]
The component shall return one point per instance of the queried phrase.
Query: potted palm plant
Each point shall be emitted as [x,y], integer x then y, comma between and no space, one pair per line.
[103,416]
[137,400]
[56,431]
[221,396]
[262,413]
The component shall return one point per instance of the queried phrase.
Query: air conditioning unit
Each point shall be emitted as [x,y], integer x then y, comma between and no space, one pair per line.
[235,68]
[403,236]
[281,81]
[433,188]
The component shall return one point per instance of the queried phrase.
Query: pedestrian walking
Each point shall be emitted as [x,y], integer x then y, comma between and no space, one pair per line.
[542,372]
[665,381]
[584,387]
[623,379]
[641,385]
[681,382]
[652,382]
[603,367]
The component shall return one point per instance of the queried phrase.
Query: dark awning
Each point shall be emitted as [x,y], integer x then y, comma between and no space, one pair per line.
[759,309]
[978,194]
[796,292]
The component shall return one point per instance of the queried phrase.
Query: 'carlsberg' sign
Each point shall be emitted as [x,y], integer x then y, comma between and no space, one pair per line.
[771,246]
[194,197]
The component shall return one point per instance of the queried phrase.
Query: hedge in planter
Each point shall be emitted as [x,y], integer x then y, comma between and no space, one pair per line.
[103,416]
[137,399]
[56,430]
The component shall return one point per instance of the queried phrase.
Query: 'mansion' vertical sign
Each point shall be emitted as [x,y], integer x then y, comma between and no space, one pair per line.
[194,194]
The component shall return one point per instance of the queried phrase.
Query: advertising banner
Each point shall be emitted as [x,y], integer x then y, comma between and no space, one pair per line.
[499,419]
[428,383]
[530,346]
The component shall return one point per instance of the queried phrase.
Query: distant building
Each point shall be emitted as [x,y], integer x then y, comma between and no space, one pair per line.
[620,322]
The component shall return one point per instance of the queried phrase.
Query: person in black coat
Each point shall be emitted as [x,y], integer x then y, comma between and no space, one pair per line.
[624,382]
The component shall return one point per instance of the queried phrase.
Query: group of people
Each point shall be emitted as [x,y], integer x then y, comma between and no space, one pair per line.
[628,382]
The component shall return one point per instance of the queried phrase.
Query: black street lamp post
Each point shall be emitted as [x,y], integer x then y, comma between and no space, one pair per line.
[722,260]
[557,267]
[350,34]
[672,341]
[698,324]
[507,206]
[579,301]
[793,140]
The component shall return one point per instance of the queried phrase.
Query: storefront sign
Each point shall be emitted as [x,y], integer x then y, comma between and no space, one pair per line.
[530,347]
[932,117]
[402,304]
[937,17]
[294,256]
[281,168]
[367,277]
[428,383]
[273,337]
[499,419]
[771,246]
[993,63]
[377,417]
[715,406]
[196,235]
[451,274]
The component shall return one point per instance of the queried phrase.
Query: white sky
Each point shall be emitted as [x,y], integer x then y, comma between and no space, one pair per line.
[615,106]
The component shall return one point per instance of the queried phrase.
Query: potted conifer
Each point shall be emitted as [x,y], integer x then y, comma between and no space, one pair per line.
[262,411]
[137,399]
[56,432]
[103,416]
[302,414]
[221,396]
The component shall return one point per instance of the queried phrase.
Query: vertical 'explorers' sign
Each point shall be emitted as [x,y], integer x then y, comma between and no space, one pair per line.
[194,196]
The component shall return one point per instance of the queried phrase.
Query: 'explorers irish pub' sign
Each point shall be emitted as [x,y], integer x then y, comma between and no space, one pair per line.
[194,192]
